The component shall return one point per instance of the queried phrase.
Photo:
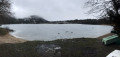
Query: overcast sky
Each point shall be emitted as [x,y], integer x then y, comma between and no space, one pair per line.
[51,9]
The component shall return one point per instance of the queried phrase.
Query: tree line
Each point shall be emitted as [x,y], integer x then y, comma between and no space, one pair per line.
[34,19]
[84,21]
[90,21]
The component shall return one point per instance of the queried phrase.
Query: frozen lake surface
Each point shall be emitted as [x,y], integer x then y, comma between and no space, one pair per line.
[49,32]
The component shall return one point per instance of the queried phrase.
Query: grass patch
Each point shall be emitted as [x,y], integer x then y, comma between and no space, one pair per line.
[81,47]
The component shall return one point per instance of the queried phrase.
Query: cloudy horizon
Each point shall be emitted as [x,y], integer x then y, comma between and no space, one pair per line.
[52,10]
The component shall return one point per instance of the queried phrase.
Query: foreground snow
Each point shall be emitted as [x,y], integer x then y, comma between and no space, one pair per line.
[115,53]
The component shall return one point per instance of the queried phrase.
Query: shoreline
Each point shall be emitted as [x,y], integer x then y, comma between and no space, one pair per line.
[10,39]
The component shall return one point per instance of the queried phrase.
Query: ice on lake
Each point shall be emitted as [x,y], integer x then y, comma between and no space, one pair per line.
[48,32]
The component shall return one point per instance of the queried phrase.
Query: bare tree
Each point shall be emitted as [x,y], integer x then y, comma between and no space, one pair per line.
[4,11]
[107,9]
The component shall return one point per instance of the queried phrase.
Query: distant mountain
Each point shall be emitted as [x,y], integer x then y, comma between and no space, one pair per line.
[31,20]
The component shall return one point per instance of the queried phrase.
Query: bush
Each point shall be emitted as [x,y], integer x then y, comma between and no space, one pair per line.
[3,31]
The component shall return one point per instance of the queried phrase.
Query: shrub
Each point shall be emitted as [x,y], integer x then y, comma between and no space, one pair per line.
[3,31]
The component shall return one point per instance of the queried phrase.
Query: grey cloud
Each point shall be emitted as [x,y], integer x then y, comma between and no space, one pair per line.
[50,9]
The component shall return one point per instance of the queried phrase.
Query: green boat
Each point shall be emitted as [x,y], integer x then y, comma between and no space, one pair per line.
[111,39]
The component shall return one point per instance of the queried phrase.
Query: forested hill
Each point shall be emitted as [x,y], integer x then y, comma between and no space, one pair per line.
[29,20]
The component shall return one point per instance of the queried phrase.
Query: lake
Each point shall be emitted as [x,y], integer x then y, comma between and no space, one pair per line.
[48,32]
